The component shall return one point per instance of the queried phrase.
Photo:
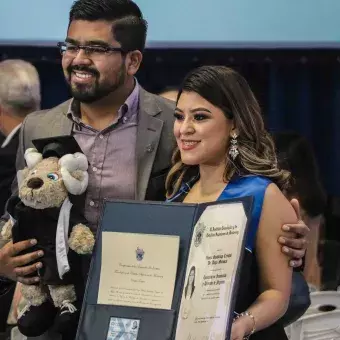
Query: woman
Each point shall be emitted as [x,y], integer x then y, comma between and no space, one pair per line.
[190,287]
[296,155]
[188,292]
[225,152]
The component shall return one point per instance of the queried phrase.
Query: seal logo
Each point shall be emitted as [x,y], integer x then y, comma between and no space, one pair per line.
[140,254]
[199,234]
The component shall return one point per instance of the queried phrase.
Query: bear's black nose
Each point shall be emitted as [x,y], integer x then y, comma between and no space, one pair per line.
[35,183]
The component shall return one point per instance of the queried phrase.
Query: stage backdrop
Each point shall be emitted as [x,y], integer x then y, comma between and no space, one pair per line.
[191,23]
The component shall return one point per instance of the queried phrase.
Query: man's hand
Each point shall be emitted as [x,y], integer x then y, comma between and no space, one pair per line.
[11,265]
[295,246]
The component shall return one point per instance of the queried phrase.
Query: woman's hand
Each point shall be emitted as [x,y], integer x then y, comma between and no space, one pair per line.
[238,329]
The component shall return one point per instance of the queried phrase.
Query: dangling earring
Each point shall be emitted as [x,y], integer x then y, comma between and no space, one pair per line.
[233,151]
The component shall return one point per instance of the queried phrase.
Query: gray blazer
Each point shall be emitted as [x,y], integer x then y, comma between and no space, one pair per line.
[155,141]
[155,144]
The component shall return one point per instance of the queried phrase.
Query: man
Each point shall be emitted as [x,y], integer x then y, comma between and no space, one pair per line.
[19,95]
[125,132]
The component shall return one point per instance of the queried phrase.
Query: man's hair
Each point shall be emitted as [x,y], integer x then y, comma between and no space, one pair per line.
[19,87]
[128,25]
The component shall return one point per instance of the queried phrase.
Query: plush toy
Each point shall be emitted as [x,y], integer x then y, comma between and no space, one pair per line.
[47,210]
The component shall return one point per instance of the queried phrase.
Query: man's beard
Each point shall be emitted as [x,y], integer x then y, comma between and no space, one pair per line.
[89,93]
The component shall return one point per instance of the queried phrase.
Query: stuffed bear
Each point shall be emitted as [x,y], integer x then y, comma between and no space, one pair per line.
[44,211]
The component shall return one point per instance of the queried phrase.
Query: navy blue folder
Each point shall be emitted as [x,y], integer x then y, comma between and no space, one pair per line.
[149,218]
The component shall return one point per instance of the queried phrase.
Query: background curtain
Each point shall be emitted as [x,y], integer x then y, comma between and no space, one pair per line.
[298,90]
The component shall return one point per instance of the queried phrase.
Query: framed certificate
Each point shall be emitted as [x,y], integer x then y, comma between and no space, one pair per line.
[169,269]
[216,249]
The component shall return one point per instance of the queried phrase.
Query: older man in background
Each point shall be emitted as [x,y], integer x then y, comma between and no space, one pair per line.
[19,96]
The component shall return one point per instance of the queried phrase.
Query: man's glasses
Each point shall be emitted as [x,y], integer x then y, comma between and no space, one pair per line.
[91,51]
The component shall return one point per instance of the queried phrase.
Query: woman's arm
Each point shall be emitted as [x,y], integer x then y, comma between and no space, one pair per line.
[274,272]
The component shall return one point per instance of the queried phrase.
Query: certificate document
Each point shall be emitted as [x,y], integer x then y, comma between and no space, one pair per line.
[213,260]
[138,270]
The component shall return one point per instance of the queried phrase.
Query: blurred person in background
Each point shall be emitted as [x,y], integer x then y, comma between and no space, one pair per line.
[296,155]
[170,92]
[19,96]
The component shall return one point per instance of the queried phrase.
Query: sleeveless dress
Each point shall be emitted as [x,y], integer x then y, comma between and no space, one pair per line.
[248,290]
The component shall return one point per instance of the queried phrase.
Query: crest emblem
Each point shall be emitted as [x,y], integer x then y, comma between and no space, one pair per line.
[140,254]
[199,234]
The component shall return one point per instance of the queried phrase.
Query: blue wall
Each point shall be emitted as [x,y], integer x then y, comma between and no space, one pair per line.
[191,22]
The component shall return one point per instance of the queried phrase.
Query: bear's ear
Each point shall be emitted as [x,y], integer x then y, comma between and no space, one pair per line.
[32,157]
[74,164]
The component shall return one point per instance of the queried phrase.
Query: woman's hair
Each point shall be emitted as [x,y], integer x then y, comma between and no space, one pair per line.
[193,268]
[296,155]
[229,91]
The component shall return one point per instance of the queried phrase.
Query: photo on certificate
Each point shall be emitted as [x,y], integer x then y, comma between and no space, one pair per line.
[214,256]
[123,329]
[188,293]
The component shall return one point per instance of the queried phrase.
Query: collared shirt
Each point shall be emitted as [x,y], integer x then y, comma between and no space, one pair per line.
[111,154]
[10,136]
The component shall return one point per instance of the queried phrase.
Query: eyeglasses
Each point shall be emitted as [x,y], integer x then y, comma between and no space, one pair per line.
[91,51]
